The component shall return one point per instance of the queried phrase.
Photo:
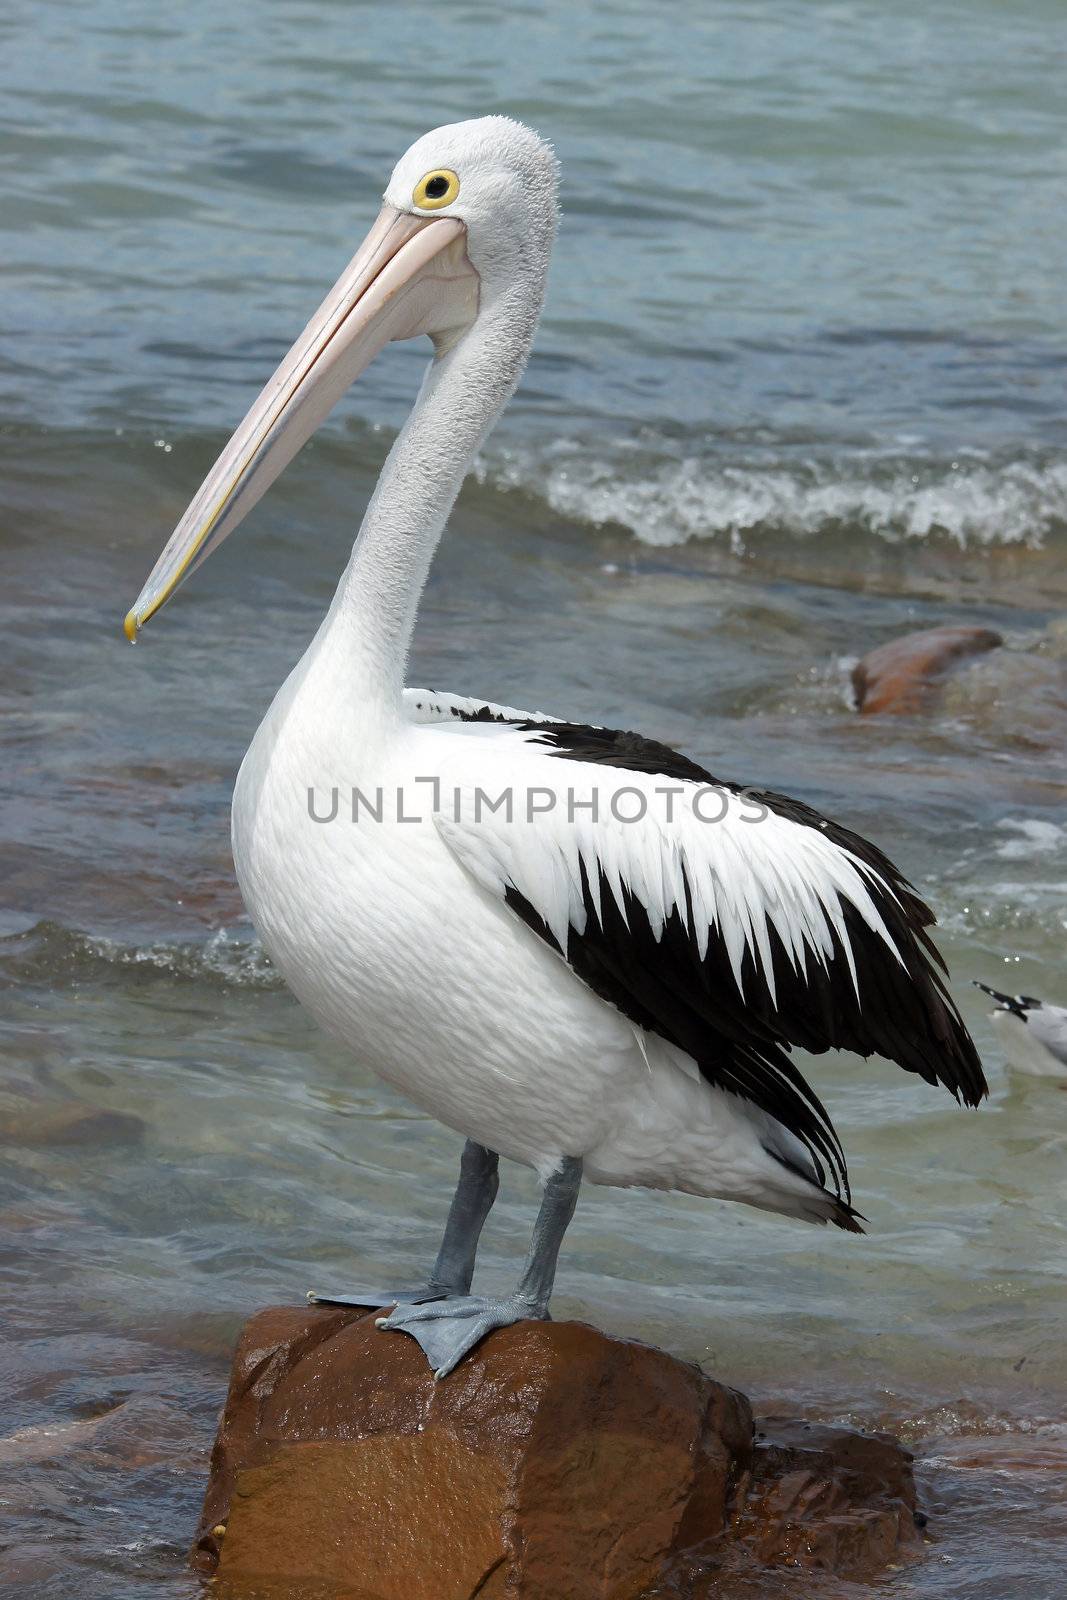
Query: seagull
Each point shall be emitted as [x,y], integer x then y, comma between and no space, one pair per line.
[572,945]
[1034,1034]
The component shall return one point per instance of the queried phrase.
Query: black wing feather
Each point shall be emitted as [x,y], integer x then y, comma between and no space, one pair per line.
[741,1037]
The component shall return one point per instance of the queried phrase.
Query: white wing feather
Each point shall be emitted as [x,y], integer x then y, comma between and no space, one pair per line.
[740,876]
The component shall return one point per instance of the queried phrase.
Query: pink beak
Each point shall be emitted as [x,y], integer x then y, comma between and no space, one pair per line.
[410,276]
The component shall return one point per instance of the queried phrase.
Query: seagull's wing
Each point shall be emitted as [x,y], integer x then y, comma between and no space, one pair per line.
[733,922]
[1048,1024]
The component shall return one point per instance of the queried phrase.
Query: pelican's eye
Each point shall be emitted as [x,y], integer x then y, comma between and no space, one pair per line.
[437,189]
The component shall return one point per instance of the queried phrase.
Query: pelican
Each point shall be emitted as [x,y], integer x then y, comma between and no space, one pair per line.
[1032,1032]
[571,945]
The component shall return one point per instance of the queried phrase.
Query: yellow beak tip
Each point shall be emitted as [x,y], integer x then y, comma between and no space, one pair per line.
[130,626]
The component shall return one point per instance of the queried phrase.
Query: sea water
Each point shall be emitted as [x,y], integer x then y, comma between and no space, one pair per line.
[799,390]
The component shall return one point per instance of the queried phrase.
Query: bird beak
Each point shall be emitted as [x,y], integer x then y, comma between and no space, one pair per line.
[411,275]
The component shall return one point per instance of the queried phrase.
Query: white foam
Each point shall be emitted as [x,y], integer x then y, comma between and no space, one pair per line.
[236,961]
[669,500]
[1034,838]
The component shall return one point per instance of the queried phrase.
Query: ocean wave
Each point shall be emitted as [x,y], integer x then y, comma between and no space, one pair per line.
[52,953]
[1031,839]
[666,498]
[1013,914]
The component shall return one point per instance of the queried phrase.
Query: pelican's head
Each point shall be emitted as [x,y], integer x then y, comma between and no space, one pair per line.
[496,177]
[469,212]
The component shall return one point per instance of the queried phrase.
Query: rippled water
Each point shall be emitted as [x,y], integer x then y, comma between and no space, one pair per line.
[800,388]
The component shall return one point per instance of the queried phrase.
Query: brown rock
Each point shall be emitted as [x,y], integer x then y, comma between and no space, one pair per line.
[897,677]
[828,1498]
[553,1462]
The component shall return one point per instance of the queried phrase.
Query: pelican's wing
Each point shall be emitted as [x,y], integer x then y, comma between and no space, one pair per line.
[432,705]
[733,922]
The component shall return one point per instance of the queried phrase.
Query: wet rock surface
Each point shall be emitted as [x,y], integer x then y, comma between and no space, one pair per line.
[554,1462]
[827,1498]
[897,677]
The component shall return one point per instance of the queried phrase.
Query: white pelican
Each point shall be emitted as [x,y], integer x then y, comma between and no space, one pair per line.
[606,975]
[1033,1033]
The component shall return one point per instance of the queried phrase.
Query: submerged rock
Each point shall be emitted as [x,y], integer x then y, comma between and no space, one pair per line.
[71,1123]
[828,1498]
[553,1462]
[897,676]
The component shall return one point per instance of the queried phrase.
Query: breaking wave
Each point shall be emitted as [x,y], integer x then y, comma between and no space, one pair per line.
[665,497]
[54,954]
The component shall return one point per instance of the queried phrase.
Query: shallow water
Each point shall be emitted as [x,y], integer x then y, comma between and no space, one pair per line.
[800,389]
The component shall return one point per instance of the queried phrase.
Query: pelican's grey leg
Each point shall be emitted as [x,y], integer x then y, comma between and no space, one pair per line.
[448,1329]
[454,1267]
[479,1181]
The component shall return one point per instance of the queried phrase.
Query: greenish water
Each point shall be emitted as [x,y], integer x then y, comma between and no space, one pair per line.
[800,388]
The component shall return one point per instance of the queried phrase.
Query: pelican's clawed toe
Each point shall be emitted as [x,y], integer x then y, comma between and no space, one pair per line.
[449,1329]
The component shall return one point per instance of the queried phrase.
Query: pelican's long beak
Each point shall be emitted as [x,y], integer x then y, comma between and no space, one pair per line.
[411,275]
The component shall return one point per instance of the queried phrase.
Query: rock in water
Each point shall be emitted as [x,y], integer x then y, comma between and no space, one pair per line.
[897,676]
[554,1462]
[828,1498]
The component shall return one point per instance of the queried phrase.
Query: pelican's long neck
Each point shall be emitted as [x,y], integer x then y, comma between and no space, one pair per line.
[368,630]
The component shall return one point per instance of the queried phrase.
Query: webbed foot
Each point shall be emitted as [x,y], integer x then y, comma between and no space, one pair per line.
[449,1329]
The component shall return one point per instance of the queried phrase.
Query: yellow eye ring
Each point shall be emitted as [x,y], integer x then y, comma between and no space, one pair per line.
[438,188]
